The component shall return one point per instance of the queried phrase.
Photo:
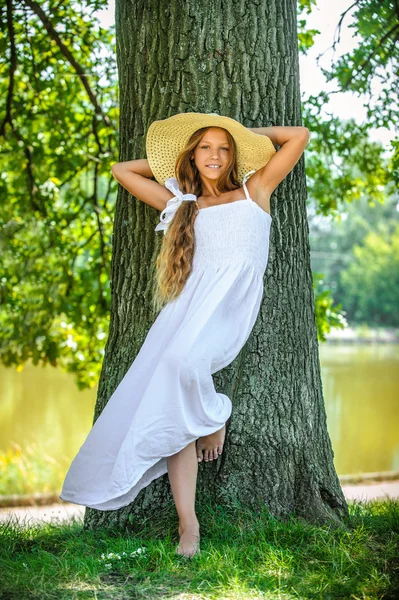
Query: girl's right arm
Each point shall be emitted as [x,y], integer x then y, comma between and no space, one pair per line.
[140,166]
[135,177]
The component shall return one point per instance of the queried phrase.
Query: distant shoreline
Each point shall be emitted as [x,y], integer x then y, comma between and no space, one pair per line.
[41,499]
[364,334]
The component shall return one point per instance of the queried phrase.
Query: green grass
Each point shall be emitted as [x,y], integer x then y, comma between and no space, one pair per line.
[244,555]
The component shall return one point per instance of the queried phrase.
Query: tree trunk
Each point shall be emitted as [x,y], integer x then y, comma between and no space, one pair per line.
[240,61]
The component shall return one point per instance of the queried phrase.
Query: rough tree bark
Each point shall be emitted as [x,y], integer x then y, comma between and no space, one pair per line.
[238,59]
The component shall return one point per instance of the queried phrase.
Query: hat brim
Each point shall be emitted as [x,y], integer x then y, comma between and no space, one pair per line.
[166,138]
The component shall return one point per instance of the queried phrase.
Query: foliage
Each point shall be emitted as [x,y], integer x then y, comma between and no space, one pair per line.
[332,244]
[30,471]
[58,136]
[342,163]
[372,279]
[305,34]
[327,314]
[372,67]
[58,113]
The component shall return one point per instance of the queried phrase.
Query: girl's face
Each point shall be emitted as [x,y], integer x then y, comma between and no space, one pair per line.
[211,155]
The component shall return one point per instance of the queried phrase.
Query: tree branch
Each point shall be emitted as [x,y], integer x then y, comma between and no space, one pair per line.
[338,27]
[370,56]
[33,55]
[13,66]
[103,264]
[69,56]
[111,179]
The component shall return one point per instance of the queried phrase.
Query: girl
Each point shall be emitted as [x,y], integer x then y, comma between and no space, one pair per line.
[165,415]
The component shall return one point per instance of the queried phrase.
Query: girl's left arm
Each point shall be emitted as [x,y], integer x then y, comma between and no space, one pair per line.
[280,135]
[292,142]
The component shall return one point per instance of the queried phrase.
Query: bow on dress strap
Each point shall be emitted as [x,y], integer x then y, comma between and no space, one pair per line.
[173,204]
[246,176]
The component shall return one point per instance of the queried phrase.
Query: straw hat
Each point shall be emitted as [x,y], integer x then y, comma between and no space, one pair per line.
[166,138]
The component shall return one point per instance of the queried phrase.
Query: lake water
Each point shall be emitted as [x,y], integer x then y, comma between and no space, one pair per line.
[43,406]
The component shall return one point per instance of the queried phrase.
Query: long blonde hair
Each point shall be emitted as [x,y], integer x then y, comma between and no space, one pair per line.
[174,261]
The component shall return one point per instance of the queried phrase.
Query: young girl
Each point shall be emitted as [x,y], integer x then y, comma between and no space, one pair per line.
[165,415]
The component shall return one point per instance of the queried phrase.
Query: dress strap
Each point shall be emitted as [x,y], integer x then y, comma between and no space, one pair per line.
[243,183]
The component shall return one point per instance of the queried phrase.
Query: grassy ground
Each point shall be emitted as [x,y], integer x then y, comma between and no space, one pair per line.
[243,556]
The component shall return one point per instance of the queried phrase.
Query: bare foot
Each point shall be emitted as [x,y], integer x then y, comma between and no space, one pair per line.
[189,540]
[209,447]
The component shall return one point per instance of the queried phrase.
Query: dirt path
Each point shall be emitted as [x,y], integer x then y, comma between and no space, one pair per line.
[67,511]
[35,514]
[372,491]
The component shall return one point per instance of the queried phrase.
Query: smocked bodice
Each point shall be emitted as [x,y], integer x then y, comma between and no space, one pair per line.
[230,234]
[236,233]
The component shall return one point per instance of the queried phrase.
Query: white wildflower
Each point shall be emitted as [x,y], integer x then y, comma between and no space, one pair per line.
[138,551]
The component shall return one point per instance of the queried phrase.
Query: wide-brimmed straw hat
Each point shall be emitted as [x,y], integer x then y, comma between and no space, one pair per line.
[166,138]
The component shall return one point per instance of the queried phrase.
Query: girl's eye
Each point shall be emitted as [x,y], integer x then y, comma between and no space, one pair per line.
[208,147]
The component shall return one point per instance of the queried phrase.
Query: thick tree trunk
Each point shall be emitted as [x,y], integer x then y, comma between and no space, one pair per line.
[240,60]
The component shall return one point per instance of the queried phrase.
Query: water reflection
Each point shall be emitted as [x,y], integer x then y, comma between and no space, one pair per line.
[43,406]
[361,393]
[360,385]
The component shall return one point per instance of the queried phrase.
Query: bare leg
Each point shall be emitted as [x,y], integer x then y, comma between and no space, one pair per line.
[182,472]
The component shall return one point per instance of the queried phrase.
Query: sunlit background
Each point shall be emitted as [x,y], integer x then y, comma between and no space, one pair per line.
[45,418]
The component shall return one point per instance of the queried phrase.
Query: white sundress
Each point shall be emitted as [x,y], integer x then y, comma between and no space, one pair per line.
[167,398]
